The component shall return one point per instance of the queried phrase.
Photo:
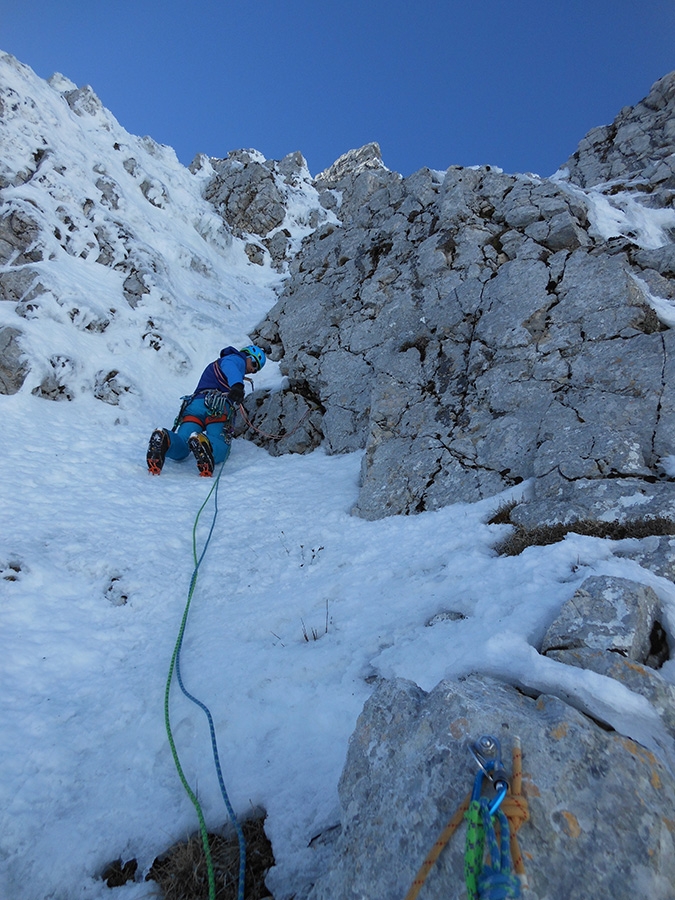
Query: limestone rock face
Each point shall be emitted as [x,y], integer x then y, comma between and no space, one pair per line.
[471,330]
[408,769]
[638,144]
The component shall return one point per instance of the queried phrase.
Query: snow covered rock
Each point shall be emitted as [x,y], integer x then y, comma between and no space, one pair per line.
[606,613]
[104,239]
[640,679]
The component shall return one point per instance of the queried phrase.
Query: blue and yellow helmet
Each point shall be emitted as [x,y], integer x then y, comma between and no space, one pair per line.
[256,354]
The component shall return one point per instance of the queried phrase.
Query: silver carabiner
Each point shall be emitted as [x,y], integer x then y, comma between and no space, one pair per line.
[488,754]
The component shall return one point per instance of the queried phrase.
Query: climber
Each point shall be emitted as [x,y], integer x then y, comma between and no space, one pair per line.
[205,423]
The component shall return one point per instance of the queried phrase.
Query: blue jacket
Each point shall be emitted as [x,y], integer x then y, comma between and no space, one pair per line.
[224,372]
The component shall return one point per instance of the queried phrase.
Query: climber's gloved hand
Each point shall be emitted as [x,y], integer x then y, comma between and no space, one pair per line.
[236,394]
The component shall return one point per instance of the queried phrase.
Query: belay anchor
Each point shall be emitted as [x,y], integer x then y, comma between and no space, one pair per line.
[493,880]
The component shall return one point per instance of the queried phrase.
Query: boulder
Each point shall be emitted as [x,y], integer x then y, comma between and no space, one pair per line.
[601,821]
[606,613]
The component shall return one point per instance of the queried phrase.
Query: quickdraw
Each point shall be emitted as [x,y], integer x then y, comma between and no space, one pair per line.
[491,880]
[494,881]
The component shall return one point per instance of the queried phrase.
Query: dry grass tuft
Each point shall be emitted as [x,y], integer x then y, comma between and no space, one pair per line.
[521,538]
[181,873]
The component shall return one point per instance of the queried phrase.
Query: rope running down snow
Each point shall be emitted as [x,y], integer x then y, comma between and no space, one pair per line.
[175,666]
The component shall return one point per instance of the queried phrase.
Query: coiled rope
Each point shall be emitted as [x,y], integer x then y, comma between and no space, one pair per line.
[175,667]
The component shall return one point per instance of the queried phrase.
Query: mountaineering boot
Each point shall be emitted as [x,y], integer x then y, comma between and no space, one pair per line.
[157,447]
[200,446]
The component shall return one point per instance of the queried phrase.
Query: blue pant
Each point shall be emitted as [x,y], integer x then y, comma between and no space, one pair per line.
[196,417]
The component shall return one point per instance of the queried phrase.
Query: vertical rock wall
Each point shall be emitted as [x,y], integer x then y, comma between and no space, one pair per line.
[472,329]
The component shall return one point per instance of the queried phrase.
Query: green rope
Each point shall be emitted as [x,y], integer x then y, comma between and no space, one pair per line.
[167,715]
[493,880]
[475,844]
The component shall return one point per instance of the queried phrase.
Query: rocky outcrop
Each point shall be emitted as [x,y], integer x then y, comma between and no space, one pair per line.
[600,804]
[639,145]
[255,197]
[605,613]
[13,365]
[471,330]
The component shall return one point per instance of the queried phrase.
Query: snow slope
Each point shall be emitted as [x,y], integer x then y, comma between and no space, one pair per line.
[299,606]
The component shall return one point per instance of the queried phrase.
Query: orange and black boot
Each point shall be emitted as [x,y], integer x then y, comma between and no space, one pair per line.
[157,447]
[201,448]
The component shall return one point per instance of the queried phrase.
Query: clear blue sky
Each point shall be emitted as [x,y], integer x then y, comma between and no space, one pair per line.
[436,82]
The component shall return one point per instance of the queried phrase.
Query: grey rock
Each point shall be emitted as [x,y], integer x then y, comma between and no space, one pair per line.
[245,193]
[408,768]
[622,502]
[639,135]
[657,554]
[255,253]
[294,427]
[136,284]
[83,101]
[606,613]
[13,363]
[110,192]
[350,164]
[20,285]
[19,237]
[278,245]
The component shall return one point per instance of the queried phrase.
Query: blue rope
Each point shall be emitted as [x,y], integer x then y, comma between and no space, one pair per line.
[203,706]
[497,881]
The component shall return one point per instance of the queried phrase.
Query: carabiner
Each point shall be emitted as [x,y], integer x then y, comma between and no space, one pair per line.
[487,753]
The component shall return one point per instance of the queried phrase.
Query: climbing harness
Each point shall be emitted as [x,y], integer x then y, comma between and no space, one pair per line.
[217,406]
[494,881]
[175,667]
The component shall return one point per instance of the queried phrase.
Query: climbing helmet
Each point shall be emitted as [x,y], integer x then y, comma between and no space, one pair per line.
[256,354]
